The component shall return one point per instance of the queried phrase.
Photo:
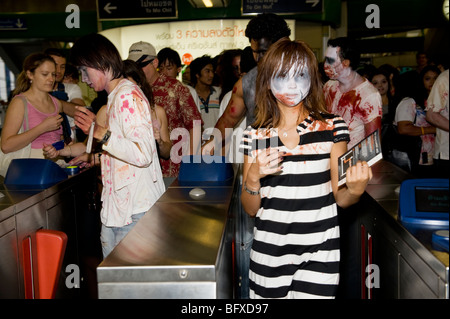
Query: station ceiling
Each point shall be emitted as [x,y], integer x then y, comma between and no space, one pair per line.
[42,20]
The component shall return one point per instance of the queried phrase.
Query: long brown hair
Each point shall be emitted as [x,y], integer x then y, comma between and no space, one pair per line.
[279,59]
[132,69]
[31,63]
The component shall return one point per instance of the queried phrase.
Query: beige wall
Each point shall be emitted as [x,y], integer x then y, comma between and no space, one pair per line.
[312,34]
[400,60]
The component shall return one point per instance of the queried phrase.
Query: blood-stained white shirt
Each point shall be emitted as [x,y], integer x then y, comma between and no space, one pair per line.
[357,107]
[408,110]
[131,173]
[438,102]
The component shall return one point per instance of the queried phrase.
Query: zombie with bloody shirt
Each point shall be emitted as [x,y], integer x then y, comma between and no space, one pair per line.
[348,94]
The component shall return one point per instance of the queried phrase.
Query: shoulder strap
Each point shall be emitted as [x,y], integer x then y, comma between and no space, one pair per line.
[25,117]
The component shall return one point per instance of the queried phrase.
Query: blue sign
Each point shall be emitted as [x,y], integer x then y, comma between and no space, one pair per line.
[12,24]
[281,6]
[136,9]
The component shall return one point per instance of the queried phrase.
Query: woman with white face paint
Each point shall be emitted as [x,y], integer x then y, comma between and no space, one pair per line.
[295,251]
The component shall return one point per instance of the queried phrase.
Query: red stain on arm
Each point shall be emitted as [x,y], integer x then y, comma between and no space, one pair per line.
[231,108]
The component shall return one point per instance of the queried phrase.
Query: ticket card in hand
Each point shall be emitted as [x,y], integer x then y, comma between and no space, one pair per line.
[369,150]
[90,138]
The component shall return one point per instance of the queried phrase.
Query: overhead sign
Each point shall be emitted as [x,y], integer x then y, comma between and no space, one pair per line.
[281,6]
[136,9]
[11,24]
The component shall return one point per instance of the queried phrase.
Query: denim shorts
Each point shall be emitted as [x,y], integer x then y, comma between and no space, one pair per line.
[111,236]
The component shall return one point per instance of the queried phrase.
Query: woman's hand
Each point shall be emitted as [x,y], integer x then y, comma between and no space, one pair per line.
[208,148]
[358,176]
[50,151]
[266,163]
[84,118]
[83,160]
[51,123]
[157,135]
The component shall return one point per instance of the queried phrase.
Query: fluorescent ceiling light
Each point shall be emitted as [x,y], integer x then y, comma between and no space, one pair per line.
[207,3]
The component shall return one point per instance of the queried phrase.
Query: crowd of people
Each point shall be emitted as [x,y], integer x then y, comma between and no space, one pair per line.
[408,135]
[297,115]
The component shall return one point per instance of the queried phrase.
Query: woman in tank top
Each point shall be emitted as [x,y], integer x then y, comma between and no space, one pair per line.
[44,121]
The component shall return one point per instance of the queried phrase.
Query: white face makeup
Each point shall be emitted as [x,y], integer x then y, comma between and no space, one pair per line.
[333,66]
[94,78]
[293,88]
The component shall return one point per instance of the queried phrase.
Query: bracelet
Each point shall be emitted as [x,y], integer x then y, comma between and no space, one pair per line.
[250,191]
[423,132]
[98,156]
[105,137]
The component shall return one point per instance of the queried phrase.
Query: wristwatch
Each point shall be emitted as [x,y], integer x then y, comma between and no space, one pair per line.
[106,137]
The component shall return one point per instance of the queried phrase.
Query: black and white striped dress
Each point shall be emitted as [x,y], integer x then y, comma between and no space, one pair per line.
[295,252]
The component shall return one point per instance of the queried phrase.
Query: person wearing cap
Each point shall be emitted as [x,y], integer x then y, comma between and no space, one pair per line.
[173,96]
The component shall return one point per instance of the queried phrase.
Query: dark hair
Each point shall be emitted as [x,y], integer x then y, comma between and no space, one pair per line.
[72,71]
[280,58]
[412,86]
[427,68]
[225,70]
[348,50]
[97,52]
[423,94]
[168,54]
[131,69]
[31,63]
[392,101]
[247,60]
[55,51]
[419,53]
[381,71]
[267,25]
[197,65]
[366,70]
